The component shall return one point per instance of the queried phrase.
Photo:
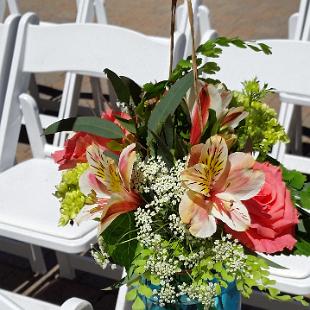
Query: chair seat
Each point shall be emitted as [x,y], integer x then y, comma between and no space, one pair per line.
[27,206]
[295,277]
[295,266]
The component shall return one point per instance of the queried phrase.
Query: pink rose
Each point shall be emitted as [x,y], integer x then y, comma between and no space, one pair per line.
[273,216]
[75,147]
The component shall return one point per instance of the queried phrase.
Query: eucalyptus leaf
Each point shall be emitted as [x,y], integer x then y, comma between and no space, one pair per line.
[128,124]
[89,124]
[134,89]
[168,105]
[121,89]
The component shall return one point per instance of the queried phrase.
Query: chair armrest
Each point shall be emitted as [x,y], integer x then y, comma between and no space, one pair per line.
[33,125]
[76,304]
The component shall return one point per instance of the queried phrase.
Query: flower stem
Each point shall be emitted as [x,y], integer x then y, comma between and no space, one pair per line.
[173,9]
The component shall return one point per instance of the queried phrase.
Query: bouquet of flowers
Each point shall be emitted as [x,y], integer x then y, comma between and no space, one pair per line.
[182,186]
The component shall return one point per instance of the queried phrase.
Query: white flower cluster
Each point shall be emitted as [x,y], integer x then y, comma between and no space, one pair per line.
[124,106]
[176,226]
[192,259]
[163,266]
[204,293]
[153,176]
[166,295]
[231,253]
[144,220]
[101,257]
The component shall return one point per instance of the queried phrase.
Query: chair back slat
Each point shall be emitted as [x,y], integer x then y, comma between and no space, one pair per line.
[280,70]
[78,48]
[302,17]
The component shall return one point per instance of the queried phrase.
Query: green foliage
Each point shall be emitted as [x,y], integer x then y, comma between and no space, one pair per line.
[260,130]
[94,125]
[72,200]
[300,190]
[168,104]
[121,89]
[303,245]
[213,49]
[120,240]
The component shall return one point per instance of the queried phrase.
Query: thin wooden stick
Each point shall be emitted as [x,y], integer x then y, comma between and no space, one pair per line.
[194,58]
[173,9]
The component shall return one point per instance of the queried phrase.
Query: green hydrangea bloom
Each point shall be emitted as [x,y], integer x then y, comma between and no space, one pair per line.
[261,129]
[72,200]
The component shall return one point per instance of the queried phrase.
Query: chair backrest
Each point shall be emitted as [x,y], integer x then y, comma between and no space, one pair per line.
[299,22]
[202,23]
[7,40]
[280,70]
[85,49]
[287,70]
[13,6]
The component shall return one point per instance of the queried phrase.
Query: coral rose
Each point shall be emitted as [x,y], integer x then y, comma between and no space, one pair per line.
[273,216]
[75,147]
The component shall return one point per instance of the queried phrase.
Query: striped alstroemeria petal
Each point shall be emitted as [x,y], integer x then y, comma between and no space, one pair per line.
[197,179]
[214,155]
[195,211]
[125,164]
[243,182]
[104,168]
[231,211]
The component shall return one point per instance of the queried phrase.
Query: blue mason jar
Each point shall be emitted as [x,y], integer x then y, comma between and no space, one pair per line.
[230,299]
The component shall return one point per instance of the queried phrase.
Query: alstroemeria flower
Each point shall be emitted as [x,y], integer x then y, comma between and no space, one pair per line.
[111,183]
[75,147]
[216,98]
[216,184]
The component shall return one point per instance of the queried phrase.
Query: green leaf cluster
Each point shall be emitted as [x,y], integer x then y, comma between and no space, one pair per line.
[300,190]
[261,129]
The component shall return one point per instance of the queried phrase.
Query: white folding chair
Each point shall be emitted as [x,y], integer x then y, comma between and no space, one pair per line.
[286,74]
[290,115]
[12,301]
[86,11]
[32,215]
[7,40]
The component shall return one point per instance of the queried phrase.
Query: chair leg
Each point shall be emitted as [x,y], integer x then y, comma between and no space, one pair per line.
[97,95]
[65,267]
[33,89]
[36,260]
[297,130]
[287,127]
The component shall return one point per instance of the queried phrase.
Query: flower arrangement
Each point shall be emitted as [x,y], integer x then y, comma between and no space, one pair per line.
[181,201]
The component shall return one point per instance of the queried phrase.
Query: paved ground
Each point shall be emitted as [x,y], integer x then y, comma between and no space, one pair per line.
[251,19]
